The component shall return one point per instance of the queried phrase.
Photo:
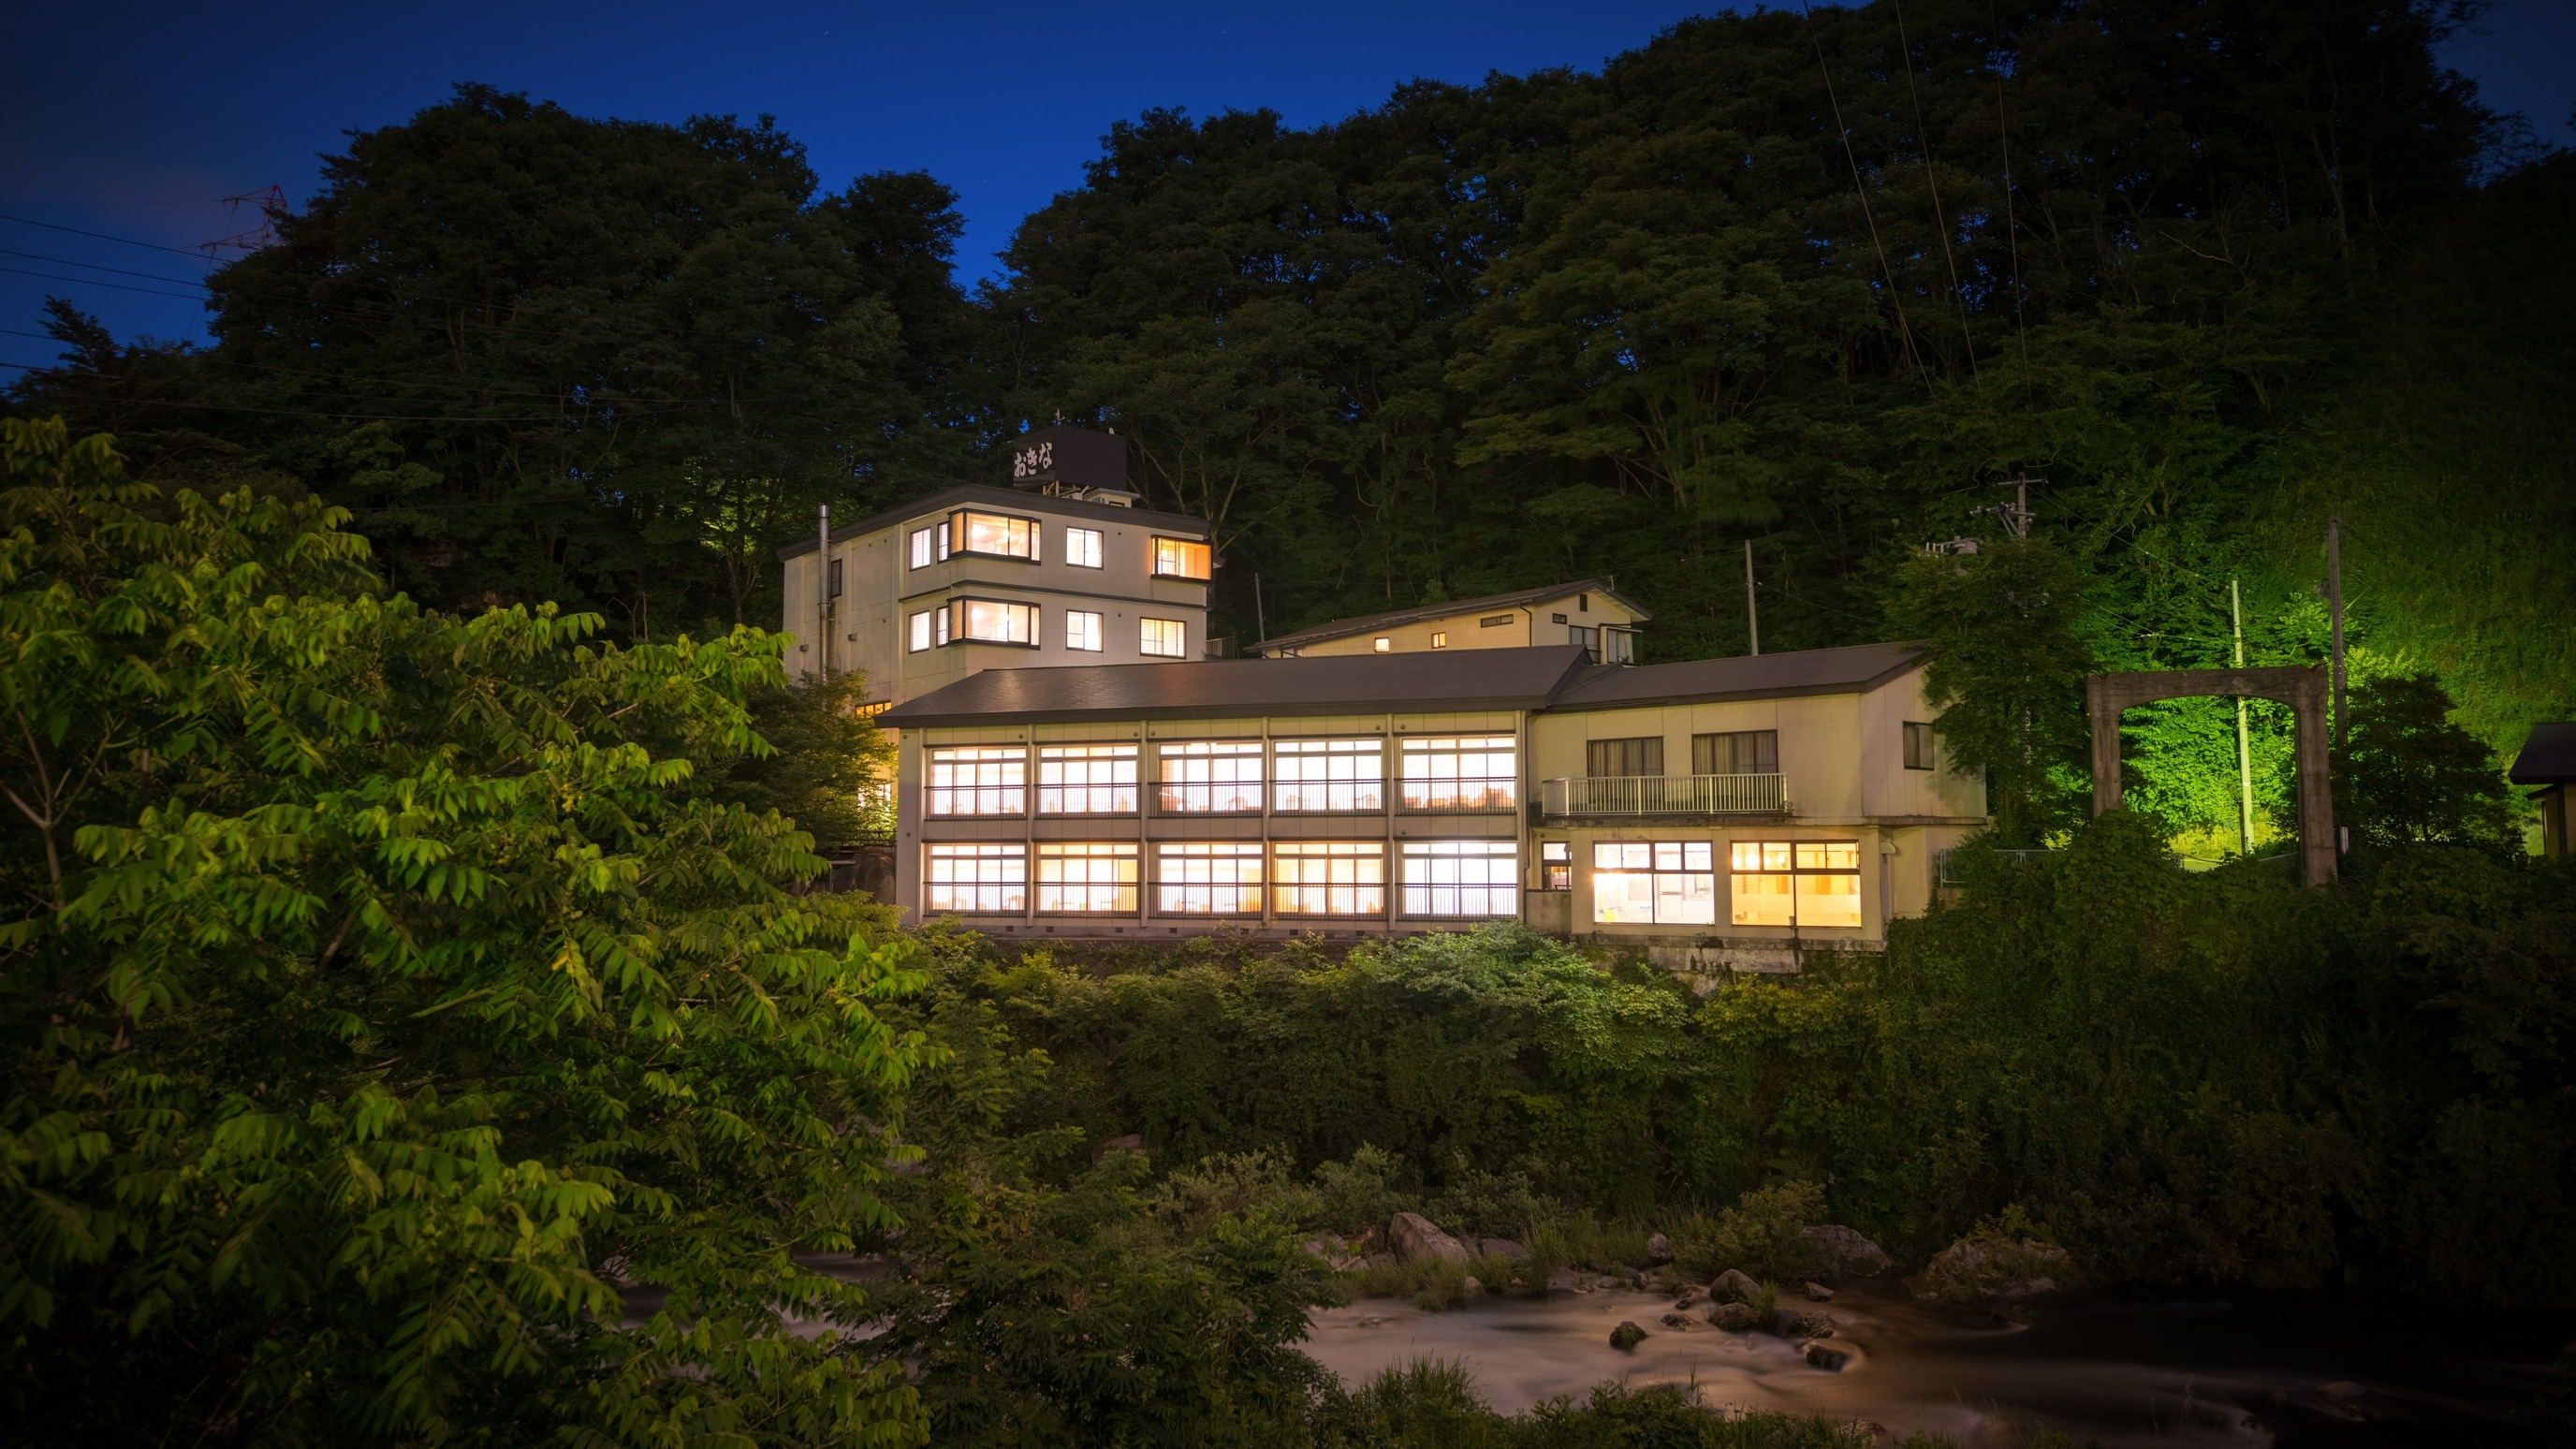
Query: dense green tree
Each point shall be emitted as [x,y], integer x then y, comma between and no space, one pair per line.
[380,1010]
[2408,773]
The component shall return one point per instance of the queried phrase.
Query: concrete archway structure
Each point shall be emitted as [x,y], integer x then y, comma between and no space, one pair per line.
[2303,690]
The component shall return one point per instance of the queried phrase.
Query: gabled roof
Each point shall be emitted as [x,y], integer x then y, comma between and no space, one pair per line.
[1008,500]
[1464,679]
[1370,623]
[2548,757]
[1750,676]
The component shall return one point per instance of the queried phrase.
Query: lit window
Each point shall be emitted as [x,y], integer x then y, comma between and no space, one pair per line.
[979,780]
[1439,639]
[1662,882]
[1162,638]
[977,879]
[1556,865]
[1180,558]
[1918,746]
[1221,878]
[917,631]
[1328,878]
[1330,775]
[1461,878]
[1077,876]
[1461,772]
[1082,547]
[1081,630]
[1809,883]
[921,548]
[939,627]
[995,535]
[1382,644]
[1086,779]
[1209,776]
[990,621]
[1743,752]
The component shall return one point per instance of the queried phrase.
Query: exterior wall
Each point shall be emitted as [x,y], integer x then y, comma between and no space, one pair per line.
[881,590]
[1532,625]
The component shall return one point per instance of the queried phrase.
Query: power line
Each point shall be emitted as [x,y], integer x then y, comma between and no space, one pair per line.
[104,236]
[98,267]
[94,282]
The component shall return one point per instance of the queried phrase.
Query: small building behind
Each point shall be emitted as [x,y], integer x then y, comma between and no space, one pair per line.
[1584,613]
[2548,763]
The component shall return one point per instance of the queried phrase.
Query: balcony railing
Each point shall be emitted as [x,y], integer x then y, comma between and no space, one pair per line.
[1665,795]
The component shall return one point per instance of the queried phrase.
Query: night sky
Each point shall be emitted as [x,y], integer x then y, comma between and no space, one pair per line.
[135,120]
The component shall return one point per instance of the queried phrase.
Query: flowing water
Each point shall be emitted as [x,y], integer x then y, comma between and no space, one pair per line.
[2123,1371]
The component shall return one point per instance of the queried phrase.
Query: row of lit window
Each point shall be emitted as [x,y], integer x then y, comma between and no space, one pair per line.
[1227,777]
[997,621]
[1813,884]
[1464,878]
[1002,535]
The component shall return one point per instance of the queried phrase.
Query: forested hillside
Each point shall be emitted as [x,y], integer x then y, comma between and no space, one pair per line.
[1817,283]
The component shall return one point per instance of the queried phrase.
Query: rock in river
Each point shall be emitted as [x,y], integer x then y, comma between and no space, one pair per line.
[1413,1236]
[1828,1358]
[1626,1336]
[1848,1252]
[1735,1317]
[1735,1285]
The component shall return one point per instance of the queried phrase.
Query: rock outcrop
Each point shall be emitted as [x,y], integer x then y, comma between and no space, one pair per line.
[1819,1293]
[1659,1249]
[1626,1336]
[1413,1236]
[1995,1270]
[1828,1358]
[1735,1286]
[1845,1252]
[1735,1317]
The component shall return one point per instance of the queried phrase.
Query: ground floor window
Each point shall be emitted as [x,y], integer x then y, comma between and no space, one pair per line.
[1461,878]
[1328,878]
[1220,878]
[1795,882]
[1087,876]
[977,879]
[1661,882]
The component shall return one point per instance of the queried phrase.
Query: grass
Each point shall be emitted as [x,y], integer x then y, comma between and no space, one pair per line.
[1434,1284]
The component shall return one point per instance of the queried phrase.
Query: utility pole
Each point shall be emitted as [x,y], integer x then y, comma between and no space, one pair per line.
[1752,611]
[1260,628]
[2334,610]
[2244,754]
[823,590]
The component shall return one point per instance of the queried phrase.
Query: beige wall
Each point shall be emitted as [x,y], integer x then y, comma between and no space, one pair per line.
[1531,626]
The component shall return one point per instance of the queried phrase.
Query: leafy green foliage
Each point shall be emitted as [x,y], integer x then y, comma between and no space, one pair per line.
[827,764]
[2407,773]
[380,1010]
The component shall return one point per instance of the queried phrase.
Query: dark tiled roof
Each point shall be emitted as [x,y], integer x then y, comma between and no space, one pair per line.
[1751,676]
[1462,679]
[2548,757]
[1366,623]
[1008,500]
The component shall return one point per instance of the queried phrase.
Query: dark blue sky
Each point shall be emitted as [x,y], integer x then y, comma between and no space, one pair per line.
[133,119]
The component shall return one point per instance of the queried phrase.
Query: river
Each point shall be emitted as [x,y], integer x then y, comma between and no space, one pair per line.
[2120,1370]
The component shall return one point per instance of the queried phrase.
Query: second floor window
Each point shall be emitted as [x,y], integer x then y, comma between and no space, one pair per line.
[979,780]
[995,535]
[1180,558]
[1642,755]
[1086,779]
[917,629]
[1330,775]
[1082,630]
[1210,776]
[1082,547]
[921,545]
[1918,746]
[992,621]
[1461,772]
[1162,638]
[1742,752]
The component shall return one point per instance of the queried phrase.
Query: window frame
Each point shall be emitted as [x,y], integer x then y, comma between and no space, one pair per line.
[1096,632]
[1652,748]
[960,528]
[1327,748]
[957,610]
[1459,749]
[1124,893]
[1001,852]
[917,631]
[1247,894]
[918,542]
[1211,752]
[1418,897]
[1289,897]
[1187,551]
[1001,757]
[1181,632]
[1110,753]
[1655,862]
[1704,751]
[1555,865]
[1080,554]
[1921,752]
[1795,862]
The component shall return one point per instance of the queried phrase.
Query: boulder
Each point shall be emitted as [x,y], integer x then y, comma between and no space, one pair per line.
[1413,1236]
[1831,1360]
[1735,1286]
[1690,1297]
[1819,1293]
[1735,1317]
[1626,1336]
[1994,1269]
[1790,1323]
[1337,1253]
[1659,1249]
[1677,1321]
[1132,1144]
[1566,1280]
[1845,1252]
[1503,1248]
[1632,1277]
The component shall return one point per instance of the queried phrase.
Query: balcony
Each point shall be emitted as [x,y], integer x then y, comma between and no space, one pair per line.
[1595,795]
